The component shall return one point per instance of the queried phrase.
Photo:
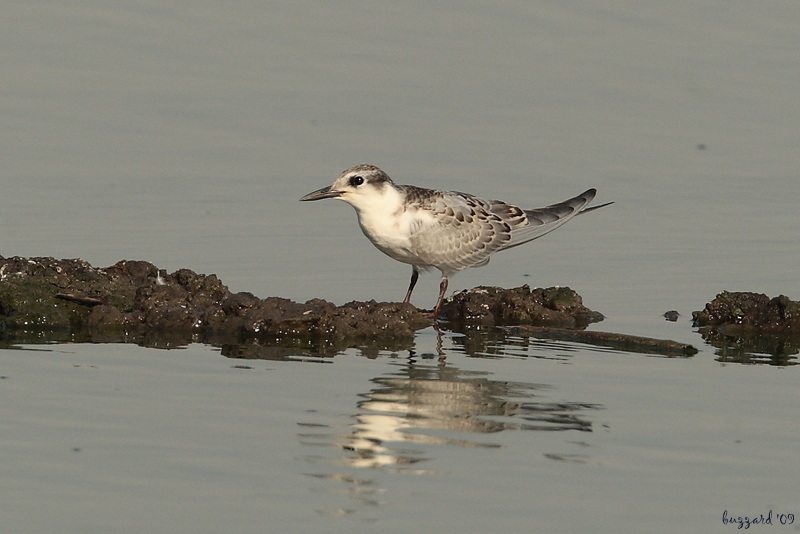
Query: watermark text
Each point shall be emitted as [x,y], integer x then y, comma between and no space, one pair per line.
[771,518]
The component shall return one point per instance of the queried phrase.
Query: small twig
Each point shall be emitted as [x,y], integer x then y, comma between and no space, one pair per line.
[622,342]
[79,299]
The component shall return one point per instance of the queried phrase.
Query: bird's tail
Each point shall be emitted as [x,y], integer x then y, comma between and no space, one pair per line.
[542,221]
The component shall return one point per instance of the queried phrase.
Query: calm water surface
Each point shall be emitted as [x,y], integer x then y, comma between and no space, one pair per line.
[554,437]
[184,134]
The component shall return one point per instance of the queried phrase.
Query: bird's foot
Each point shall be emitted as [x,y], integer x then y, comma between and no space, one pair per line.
[433,315]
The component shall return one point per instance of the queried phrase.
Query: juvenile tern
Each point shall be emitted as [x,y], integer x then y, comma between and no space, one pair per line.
[448,230]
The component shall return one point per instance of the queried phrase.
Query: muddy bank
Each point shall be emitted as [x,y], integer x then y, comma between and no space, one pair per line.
[136,299]
[70,300]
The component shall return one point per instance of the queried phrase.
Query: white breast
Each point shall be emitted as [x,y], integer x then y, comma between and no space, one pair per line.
[386,222]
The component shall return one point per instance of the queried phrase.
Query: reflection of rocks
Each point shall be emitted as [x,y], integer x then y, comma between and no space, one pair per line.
[496,306]
[751,327]
[753,348]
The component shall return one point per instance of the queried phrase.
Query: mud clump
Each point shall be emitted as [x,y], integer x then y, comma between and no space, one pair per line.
[554,306]
[671,315]
[70,300]
[750,313]
[137,298]
[751,328]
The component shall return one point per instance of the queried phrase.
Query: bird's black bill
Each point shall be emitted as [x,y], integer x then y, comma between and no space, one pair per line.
[319,194]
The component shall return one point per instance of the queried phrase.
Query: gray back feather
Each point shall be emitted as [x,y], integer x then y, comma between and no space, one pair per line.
[469,229]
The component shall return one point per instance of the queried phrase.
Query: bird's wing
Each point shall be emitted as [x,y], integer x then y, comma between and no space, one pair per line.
[462,232]
[527,225]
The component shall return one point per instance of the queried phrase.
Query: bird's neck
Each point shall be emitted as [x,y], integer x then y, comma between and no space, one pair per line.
[380,213]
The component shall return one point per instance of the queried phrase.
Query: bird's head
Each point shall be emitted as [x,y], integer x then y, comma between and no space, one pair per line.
[359,186]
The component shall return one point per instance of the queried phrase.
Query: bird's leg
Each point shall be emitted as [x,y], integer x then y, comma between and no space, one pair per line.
[442,290]
[414,277]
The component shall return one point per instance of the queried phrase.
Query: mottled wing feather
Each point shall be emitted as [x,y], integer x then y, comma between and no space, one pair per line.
[466,230]
[463,232]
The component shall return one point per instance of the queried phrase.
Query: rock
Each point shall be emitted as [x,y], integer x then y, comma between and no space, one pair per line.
[744,312]
[135,300]
[484,306]
[751,328]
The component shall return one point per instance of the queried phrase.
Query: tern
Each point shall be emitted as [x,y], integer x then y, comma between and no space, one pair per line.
[448,230]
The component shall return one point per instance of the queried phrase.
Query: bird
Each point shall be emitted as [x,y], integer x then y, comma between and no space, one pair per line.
[447,230]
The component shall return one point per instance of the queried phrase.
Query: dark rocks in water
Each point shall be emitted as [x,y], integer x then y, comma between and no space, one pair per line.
[751,328]
[135,297]
[554,306]
[750,313]
[70,300]
[671,315]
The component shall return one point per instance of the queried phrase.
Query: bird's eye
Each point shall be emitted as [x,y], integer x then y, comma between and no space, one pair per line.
[355,181]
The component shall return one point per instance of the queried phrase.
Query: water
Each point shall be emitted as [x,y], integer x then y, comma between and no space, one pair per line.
[553,437]
[184,134]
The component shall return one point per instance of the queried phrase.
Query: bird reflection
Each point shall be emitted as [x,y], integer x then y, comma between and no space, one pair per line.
[425,403]
[432,404]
